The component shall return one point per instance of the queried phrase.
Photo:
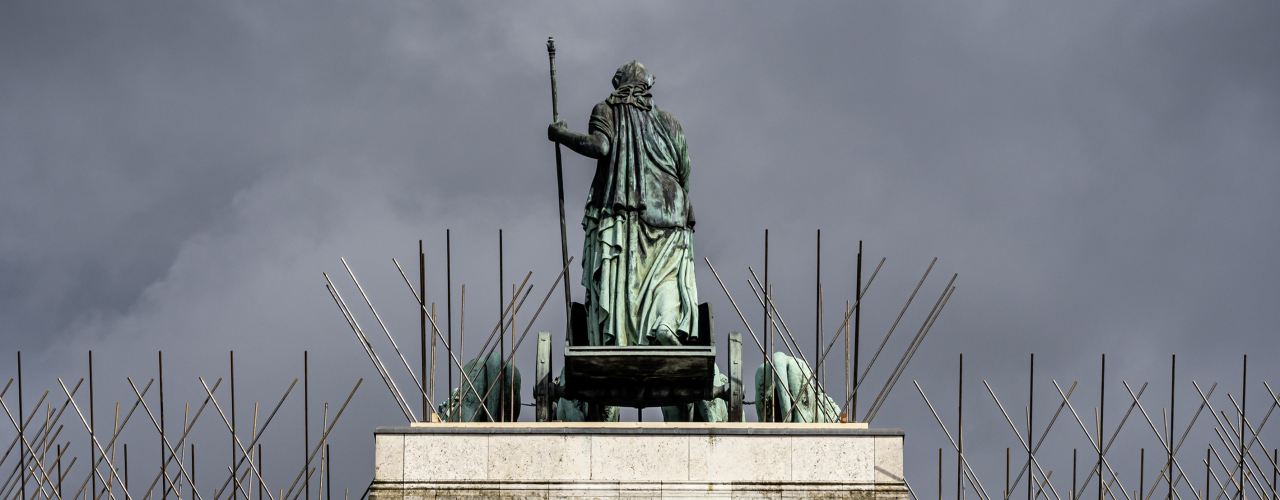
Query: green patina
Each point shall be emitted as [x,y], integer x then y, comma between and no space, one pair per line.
[637,254]
[637,261]
[502,386]
[796,398]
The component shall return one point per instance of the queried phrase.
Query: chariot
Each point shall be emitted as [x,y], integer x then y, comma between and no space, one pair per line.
[637,376]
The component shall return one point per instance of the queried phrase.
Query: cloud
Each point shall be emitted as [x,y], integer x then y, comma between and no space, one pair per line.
[177,176]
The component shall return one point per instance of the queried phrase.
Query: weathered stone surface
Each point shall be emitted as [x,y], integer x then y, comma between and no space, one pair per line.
[428,458]
[389,462]
[888,460]
[745,458]
[638,460]
[539,457]
[817,459]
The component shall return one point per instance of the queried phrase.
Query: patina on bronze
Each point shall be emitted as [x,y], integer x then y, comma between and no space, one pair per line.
[640,338]
[637,254]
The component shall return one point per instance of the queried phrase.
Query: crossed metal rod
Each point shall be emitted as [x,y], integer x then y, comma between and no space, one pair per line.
[1097,446]
[182,469]
[897,371]
[501,319]
[843,327]
[1250,478]
[265,423]
[46,439]
[244,454]
[39,463]
[763,351]
[32,470]
[1111,441]
[323,438]
[1166,443]
[1234,483]
[394,345]
[39,439]
[1031,451]
[97,445]
[186,430]
[1183,439]
[1256,438]
[1208,467]
[16,438]
[27,422]
[911,350]
[1252,470]
[1227,424]
[114,437]
[516,345]
[461,368]
[863,378]
[485,349]
[969,474]
[1235,465]
[368,349]
[774,318]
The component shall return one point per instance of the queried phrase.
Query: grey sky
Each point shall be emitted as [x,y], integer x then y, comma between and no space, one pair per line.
[1102,176]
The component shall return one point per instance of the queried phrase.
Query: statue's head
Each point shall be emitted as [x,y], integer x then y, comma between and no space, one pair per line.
[633,73]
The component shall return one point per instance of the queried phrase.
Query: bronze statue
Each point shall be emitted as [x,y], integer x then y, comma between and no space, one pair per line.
[638,254]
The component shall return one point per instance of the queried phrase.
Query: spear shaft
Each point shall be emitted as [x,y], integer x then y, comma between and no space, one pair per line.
[564,239]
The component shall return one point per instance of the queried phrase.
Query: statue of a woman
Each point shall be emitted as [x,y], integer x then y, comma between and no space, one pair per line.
[637,260]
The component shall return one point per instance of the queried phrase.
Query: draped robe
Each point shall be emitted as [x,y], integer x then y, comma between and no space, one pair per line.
[637,254]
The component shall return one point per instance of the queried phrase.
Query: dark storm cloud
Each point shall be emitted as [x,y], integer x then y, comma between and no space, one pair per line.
[1102,177]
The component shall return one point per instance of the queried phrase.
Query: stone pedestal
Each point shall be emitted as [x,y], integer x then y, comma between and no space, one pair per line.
[649,460]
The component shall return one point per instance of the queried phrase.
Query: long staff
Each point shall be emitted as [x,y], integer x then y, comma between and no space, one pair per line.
[564,238]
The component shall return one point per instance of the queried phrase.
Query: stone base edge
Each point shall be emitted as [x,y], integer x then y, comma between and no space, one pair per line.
[581,490]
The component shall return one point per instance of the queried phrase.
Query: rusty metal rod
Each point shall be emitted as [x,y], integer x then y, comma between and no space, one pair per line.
[258,436]
[1026,445]
[384,328]
[778,316]
[893,380]
[167,458]
[88,426]
[182,469]
[368,347]
[465,377]
[1112,440]
[969,475]
[1096,445]
[863,378]
[324,437]
[30,449]
[761,399]
[243,451]
[526,331]
[845,325]
[919,337]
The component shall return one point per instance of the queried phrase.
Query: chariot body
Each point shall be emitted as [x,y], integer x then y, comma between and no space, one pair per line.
[638,376]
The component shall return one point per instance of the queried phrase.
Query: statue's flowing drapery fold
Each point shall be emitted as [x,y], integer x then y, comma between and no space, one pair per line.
[637,262]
